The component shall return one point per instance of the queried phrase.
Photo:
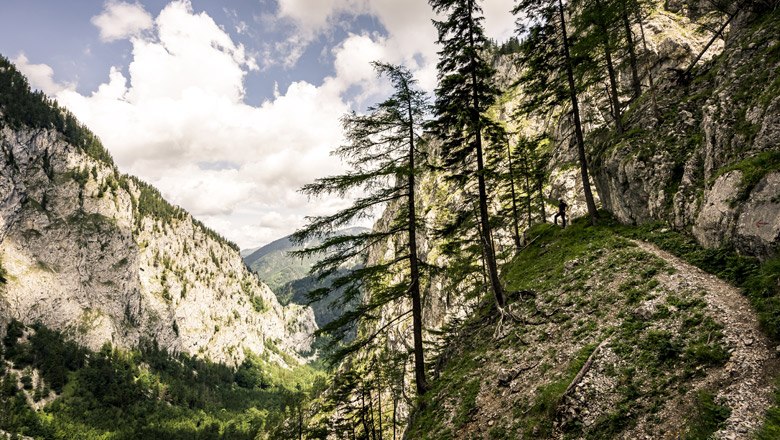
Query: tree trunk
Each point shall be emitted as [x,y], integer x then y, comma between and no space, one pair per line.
[635,83]
[528,190]
[610,67]
[540,185]
[363,415]
[395,417]
[371,409]
[638,12]
[487,242]
[577,123]
[514,196]
[379,403]
[414,288]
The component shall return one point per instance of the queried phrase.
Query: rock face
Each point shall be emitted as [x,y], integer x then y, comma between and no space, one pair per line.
[102,257]
[712,163]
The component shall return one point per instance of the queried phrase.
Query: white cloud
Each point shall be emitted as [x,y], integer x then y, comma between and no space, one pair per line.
[41,76]
[120,20]
[411,37]
[176,116]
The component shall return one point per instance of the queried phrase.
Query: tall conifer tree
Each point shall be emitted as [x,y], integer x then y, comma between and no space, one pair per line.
[382,151]
[548,48]
[464,93]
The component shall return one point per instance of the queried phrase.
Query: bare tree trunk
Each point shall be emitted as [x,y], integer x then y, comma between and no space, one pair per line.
[514,196]
[638,12]
[541,200]
[707,46]
[577,123]
[395,417]
[635,83]
[371,409]
[414,288]
[379,403]
[487,242]
[610,68]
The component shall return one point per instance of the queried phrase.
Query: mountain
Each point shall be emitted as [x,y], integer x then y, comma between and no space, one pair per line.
[662,320]
[102,257]
[288,276]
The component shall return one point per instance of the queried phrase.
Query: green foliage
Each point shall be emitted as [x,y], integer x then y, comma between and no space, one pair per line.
[258,304]
[3,273]
[21,107]
[770,429]
[384,156]
[145,393]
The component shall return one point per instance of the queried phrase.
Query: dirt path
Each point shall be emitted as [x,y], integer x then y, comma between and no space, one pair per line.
[746,380]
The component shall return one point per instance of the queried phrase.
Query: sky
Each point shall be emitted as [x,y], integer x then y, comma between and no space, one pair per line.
[230,107]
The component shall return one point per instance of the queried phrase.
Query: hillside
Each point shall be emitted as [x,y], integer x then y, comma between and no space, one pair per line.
[684,355]
[288,276]
[611,338]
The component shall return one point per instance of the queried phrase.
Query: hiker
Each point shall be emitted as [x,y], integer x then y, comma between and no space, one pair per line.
[561,213]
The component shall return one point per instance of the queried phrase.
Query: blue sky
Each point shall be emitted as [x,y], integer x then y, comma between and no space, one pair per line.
[227,107]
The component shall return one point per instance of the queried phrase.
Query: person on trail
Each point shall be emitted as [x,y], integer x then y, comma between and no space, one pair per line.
[561,213]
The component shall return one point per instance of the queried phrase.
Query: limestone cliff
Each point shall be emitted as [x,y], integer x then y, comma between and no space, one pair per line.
[104,258]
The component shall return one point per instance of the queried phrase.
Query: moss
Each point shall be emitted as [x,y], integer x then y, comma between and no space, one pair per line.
[770,430]
[753,170]
[3,273]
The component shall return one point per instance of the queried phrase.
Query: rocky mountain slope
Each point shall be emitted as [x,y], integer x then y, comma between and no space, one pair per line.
[707,167]
[712,163]
[103,257]
[611,338]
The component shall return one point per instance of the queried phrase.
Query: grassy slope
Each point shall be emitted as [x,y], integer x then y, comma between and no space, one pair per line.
[588,283]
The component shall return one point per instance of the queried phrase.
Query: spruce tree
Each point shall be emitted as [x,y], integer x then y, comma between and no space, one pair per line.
[464,93]
[383,153]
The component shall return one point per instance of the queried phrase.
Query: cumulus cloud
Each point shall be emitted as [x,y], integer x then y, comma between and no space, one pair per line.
[411,37]
[41,76]
[120,20]
[176,117]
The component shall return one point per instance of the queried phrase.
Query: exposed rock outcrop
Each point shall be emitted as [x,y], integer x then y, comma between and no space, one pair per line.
[712,164]
[85,253]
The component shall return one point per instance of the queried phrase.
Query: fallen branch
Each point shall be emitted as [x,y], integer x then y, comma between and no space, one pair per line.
[585,368]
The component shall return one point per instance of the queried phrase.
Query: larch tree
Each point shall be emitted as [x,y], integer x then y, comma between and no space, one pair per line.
[382,150]
[464,93]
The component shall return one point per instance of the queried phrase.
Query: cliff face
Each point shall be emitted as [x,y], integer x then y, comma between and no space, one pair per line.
[711,165]
[102,257]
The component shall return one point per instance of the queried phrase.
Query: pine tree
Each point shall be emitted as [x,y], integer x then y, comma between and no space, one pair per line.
[383,153]
[464,93]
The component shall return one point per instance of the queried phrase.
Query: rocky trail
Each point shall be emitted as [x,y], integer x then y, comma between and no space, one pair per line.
[746,379]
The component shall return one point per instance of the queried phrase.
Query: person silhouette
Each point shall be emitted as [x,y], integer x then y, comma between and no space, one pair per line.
[561,213]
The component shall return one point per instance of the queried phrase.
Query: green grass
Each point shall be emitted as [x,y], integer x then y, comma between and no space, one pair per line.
[708,416]
[771,427]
